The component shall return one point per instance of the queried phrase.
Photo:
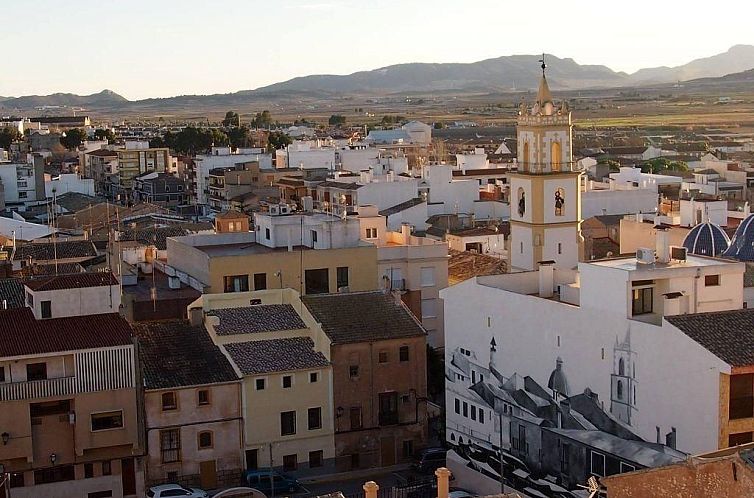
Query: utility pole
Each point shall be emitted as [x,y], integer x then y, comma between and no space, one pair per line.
[272,477]
[502,481]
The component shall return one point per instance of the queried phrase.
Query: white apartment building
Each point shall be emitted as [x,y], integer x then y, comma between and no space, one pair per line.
[221,157]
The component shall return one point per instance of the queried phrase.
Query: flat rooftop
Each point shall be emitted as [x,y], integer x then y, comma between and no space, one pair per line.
[631,264]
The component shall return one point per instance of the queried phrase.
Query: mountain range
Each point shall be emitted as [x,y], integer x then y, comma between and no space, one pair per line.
[491,75]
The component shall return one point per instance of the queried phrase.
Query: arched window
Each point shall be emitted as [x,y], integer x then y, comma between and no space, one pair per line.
[619,389]
[525,156]
[555,155]
[621,367]
[521,194]
[559,201]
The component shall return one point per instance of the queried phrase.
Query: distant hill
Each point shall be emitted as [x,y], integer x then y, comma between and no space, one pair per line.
[105,98]
[502,73]
[738,58]
[513,72]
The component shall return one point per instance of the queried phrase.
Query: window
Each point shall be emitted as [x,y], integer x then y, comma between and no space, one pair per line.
[204,440]
[560,248]
[236,283]
[382,357]
[408,448]
[481,415]
[202,397]
[317,281]
[739,438]
[353,371]
[259,384]
[267,233]
[342,274]
[565,453]
[290,462]
[388,403]
[315,418]
[287,381]
[252,459]
[371,233]
[46,308]
[260,281]
[107,468]
[169,401]
[355,417]
[429,308]
[403,353]
[170,445]
[36,371]
[313,377]
[88,470]
[625,467]
[287,423]
[428,277]
[473,412]
[711,280]
[642,301]
[30,299]
[741,401]
[107,420]
[314,236]
[465,409]
[458,406]
[598,464]
[315,459]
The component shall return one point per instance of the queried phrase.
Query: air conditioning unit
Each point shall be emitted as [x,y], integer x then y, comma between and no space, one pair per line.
[274,210]
[645,256]
[285,209]
[678,253]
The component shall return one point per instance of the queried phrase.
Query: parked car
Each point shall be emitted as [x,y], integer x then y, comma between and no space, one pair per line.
[430,460]
[281,483]
[168,490]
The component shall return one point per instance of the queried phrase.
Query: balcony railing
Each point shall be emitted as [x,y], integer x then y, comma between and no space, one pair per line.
[398,284]
[62,386]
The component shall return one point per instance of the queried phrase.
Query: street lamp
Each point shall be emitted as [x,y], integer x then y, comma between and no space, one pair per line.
[53,458]
[6,438]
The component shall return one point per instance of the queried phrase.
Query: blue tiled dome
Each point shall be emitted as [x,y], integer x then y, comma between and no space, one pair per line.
[742,244]
[706,239]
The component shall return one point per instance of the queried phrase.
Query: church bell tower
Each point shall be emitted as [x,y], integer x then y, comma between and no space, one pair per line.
[545,192]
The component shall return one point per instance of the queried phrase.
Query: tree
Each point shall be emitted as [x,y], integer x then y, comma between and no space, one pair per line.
[8,136]
[262,120]
[277,140]
[439,125]
[72,138]
[661,163]
[232,119]
[192,141]
[105,134]
[337,120]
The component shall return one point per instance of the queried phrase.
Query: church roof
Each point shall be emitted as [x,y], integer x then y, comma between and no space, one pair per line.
[742,245]
[543,94]
[706,239]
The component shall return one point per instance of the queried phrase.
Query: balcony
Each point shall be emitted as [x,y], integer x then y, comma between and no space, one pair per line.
[13,391]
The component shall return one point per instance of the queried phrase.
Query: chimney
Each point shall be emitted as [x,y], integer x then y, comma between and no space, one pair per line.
[370,489]
[546,278]
[662,248]
[443,482]
[406,233]
[196,316]
[670,438]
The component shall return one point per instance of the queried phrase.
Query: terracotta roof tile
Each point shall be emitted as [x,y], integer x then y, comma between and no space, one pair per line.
[257,318]
[71,281]
[729,335]
[276,355]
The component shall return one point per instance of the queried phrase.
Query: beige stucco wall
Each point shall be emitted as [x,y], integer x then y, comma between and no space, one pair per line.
[221,416]
[362,263]
[262,416]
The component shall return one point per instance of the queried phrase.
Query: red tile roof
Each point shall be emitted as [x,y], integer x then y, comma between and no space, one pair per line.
[22,334]
[71,281]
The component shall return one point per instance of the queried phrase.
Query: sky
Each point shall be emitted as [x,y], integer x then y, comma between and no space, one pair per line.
[161,48]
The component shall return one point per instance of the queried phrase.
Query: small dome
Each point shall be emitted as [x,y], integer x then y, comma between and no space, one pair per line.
[706,239]
[558,381]
[742,244]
